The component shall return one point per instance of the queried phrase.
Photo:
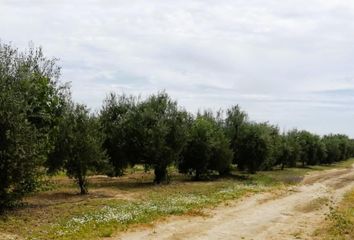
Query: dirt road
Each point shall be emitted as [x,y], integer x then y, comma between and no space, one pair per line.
[293,214]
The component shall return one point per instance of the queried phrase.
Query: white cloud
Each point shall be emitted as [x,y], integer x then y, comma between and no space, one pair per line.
[277,59]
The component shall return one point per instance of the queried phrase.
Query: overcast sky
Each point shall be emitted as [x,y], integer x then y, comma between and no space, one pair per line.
[289,62]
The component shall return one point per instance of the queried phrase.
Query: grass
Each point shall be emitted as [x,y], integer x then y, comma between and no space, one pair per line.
[340,221]
[61,215]
[119,215]
[343,164]
[116,204]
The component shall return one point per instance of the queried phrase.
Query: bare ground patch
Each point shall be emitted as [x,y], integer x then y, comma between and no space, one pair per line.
[290,215]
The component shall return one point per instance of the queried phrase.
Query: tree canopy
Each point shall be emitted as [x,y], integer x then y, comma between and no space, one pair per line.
[42,130]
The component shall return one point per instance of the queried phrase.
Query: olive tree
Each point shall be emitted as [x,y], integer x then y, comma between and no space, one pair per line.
[338,148]
[20,151]
[122,139]
[289,150]
[235,120]
[311,149]
[257,147]
[207,149]
[31,101]
[79,146]
[162,130]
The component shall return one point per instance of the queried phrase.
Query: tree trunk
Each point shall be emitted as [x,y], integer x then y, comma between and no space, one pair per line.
[161,174]
[197,175]
[82,185]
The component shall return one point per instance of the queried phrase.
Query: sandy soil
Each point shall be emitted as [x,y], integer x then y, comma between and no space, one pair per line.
[293,214]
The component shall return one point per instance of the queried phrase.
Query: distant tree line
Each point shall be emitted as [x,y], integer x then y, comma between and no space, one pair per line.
[43,131]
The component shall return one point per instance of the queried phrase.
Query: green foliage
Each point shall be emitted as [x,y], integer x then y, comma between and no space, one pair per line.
[81,146]
[338,147]
[207,148]
[221,153]
[288,150]
[31,100]
[122,136]
[235,120]
[41,129]
[197,152]
[20,151]
[151,132]
[311,148]
[257,147]
[163,131]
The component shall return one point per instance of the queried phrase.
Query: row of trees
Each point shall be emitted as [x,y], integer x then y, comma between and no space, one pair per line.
[42,131]
[206,143]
